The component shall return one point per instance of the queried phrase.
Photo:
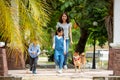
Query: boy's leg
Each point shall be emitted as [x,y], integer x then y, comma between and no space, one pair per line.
[35,64]
[31,63]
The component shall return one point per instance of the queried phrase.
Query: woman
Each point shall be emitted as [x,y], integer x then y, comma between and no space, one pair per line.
[67,26]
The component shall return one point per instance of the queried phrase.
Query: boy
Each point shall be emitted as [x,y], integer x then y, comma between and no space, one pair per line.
[34,51]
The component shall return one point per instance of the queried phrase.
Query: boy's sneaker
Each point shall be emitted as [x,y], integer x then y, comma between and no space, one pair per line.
[65,67]
[60,71]
[34,72]
[31,69]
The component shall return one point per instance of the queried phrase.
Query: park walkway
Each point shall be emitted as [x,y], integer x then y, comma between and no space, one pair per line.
[47,71]
[50,74]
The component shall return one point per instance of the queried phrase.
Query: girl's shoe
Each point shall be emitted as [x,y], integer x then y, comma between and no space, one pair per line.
[65,67]
[60,71]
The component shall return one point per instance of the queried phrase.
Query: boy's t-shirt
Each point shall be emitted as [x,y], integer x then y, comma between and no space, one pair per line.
[35,49]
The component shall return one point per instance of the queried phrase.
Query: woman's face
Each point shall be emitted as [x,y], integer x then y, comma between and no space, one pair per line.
[64,17]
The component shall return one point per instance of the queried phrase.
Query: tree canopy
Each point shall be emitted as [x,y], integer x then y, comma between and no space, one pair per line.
[84,13]
[21,21]
[37,18]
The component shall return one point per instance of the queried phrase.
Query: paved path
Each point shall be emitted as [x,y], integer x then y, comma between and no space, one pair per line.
[50,74]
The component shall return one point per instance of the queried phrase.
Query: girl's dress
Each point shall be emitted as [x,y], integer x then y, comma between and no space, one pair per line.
[59,46]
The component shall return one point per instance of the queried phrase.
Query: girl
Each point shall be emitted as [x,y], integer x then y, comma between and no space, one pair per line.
[59,47]
[34,51]
[64,23]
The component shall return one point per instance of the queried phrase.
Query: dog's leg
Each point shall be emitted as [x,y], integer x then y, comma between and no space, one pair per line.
[83,67]
[79,68]
[75,68]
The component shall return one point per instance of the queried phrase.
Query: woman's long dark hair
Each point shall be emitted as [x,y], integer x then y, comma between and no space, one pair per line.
[60,19]
[59,29]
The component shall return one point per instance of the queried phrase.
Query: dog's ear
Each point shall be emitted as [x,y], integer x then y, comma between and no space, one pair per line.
[76,52]
[83,54]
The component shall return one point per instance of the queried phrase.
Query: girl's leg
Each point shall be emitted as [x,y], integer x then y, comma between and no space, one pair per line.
[65,56]
[56,58]
[61,61]
[35,64]
[61,57]
[31,63]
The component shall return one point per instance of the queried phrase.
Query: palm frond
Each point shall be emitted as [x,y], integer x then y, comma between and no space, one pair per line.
[33,19]
[20,24]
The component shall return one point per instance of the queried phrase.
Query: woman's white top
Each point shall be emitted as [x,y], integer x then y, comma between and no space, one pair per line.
[66,28]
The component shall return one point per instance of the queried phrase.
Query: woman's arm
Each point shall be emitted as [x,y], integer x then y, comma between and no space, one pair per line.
[64,46]
[57,25]
[70,33]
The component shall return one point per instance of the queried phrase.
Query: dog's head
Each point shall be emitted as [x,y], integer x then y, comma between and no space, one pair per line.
[76,56]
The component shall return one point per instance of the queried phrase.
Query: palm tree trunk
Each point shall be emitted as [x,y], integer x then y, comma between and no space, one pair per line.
[109,23]
[16,59]
[109,26]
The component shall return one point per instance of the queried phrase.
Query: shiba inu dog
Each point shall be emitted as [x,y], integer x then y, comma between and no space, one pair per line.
[79,60]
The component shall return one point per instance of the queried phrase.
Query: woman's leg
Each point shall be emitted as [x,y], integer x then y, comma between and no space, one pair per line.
[65,56]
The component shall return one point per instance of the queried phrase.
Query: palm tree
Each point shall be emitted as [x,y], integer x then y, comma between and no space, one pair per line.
[109,22]
[21,21]
[109,26]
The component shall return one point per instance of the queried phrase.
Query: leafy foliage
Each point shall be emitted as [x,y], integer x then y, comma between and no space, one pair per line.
[21,21]
[85,12]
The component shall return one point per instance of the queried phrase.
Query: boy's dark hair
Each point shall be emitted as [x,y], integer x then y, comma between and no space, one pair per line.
[59,29]
[60,19]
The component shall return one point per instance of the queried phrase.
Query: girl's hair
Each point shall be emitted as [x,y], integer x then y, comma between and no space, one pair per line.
[60,19]
[59,29]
